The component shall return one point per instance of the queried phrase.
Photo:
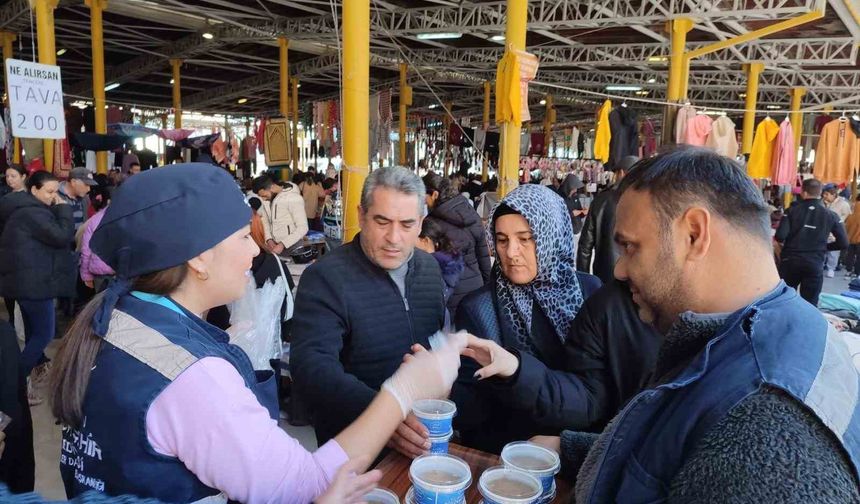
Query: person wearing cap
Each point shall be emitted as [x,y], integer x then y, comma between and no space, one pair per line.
[155,402]
[74,192]
[596,239]
[36,263]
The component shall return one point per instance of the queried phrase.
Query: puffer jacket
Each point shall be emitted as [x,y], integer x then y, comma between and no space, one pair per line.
[36,259]
[284,218]
[463,226]
[596,238]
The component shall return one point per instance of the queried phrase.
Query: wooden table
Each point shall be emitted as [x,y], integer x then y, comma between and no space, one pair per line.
[395,473]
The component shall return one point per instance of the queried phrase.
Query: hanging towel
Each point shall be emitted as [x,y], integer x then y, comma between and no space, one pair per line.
[685,114]
[761,158]
[603,135]
[836,157]
[698,129]
[785,155]
[723,138]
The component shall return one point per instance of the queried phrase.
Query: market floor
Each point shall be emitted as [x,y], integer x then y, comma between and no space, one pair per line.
[47,433]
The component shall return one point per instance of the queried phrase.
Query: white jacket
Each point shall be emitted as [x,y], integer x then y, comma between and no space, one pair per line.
[284,218]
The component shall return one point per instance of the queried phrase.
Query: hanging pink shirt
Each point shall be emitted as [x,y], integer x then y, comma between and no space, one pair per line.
[241,451]
[785,156]
[698,129]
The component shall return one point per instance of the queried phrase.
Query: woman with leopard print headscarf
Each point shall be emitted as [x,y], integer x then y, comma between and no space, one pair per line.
[521,319]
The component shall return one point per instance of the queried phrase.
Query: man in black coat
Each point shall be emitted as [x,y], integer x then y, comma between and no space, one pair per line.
[17,461]
[597,233]
[360,309]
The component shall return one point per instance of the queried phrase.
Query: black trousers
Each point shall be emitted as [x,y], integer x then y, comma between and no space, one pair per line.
[803,272]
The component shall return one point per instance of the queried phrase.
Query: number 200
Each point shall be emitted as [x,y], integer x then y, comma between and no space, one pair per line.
[38,122]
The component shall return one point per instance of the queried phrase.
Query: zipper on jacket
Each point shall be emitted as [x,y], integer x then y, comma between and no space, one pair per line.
[405,299]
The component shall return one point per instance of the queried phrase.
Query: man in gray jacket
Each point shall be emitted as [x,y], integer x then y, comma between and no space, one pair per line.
[285,222]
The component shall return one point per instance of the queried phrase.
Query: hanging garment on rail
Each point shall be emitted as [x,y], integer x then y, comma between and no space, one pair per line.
[603,135]
[580,145]
[131,130]
[685,115]
[480,139]
[588,147]
[491,145]
[785,155]
[760,165]
[723,138]
[62,159]
[574,143]
[261,135]
[385,119]
[175,135]
[698,129]
[373,134]
[836,157]
[508,100]
[820,122]
[649,139]
[199,142]
[538,141]
[624,125]
[525,142]
[97,142]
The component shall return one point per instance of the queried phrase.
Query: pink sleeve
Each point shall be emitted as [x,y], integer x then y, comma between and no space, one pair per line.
[86,252]
[209,420]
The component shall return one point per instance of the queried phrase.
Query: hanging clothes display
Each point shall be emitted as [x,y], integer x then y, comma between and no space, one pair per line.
[698,129]
[624,128]
[261,135]
[385,119]
[603,135]
[199,142]
[219,150]
[723,138]
[62,159]
[175,135]
[836,157]
[761,158]
[491,144]
[525,142]
[537,144]
[480,139]
[685,114]
[97,142]
[132,130]
[820,121]
[649,140]
[373,134]
[277,142]
[580,145]
[588,147]
[574,143]
[785,155]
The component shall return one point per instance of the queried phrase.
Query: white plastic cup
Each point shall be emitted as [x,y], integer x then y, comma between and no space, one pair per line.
[528,488]
[540,462]
[436,415]
[440,444]
[381,496]
[439,479]
[410,496]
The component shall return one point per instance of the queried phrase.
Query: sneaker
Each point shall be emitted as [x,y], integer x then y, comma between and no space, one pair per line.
[830,274]
[33,397]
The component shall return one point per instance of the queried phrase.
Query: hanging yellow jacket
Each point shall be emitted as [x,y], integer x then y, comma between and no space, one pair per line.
[603,134]
[761,157]
[508,101]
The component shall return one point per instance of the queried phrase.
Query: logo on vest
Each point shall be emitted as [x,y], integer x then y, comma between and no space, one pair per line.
[76,449]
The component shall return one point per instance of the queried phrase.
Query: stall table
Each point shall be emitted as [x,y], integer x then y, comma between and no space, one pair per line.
[395,473]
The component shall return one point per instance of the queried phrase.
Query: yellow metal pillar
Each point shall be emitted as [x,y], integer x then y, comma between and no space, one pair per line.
[177,93]
[684,81]
[295,114]
[283,46]
[679,29]
[9,52]
[547,125]
[515,36]
[356,98]
[404,101]
[484,168]
[96,9]
[753,71]
[47,54]
[796,116]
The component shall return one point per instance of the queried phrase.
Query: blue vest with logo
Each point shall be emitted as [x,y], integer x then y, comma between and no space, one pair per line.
[147,346]
[780,341]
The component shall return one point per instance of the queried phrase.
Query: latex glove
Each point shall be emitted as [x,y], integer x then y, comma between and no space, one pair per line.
[349,487]
[496,361]
[426,375]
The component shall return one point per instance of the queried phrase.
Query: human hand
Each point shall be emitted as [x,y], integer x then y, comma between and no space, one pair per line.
[349,487]
[551,442]
[58,200]
[495,360]
[426,374]
[277,248]
[90,284]
[411,438]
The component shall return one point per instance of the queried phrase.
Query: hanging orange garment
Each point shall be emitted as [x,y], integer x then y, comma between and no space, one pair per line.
[836,157]
[508,100]
[603,134]
[760,165]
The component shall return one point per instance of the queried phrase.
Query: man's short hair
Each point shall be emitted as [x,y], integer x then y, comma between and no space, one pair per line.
[812,187]
[262,183]
[393,177]
[686,176]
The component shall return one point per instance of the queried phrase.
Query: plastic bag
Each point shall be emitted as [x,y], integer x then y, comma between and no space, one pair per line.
[255,322]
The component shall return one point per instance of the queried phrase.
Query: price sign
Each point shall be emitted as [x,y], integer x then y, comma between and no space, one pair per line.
[35,99]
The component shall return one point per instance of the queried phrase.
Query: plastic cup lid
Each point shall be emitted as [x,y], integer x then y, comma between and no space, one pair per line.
[434,408]
[551,460]
[440,462]
[381,496]
[495,473]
